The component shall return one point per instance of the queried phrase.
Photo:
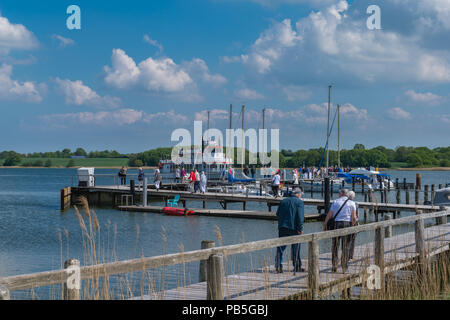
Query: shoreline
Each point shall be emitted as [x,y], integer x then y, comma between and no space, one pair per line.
[154,167]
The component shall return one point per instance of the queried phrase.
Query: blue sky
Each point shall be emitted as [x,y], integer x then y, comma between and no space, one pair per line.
[138,70]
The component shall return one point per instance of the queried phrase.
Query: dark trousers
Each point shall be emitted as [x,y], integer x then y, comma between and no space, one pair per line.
[295,250]
[275,190]
[123,179]
[345,242]
[196,186]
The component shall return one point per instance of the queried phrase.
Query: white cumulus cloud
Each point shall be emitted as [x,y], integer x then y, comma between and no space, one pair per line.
[15,90]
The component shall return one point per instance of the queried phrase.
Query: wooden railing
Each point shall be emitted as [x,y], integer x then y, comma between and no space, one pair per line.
[72,275]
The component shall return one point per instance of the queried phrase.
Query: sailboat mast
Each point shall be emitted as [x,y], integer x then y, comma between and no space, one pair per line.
[243,141]
[328,129]
[339,135]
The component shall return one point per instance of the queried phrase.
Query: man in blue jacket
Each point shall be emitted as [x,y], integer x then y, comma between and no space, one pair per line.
[290,223]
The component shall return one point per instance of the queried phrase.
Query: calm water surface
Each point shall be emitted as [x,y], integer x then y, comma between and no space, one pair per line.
[35,236]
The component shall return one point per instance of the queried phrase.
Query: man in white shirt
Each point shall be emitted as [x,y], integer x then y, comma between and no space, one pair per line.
[344,212]
[276,180]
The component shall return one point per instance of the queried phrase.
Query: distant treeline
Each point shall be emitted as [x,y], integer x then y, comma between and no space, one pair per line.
[359,156]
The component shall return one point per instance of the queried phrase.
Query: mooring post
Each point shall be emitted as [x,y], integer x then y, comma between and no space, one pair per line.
[404,183]
[353,183]
[389,183]
[418,181]
[407,195]
[73,282]
[416,196]
[214,276]
[420,242]
[425,195]
[386,196]
[370,199]
[313,267]
[206,244]
[432,193]
[396,183]
[388,231]
[4,293]
[326,199]
[144,193]
[379,252]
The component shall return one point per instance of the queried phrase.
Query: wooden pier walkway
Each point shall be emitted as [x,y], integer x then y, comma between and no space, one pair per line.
[111,195]
[383,251]
[266,284]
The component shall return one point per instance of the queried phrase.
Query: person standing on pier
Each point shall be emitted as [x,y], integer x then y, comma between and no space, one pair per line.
[253,171]
[157,179]
[246,171]
[343,210]
[276,180]
[203,182]
[192,180]
[351,196]
[123,176]
[291,217]
[183,174]
[141,176]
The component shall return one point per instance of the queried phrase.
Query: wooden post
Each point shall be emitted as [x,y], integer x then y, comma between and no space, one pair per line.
[382,196]
[418,181]
[72,285]
[362,185]
[425,196]
[404,183]
[312,189]
[386,200]
[206,244]
[244,205]
[388,231]
[389,183]
[396,183]
[353,183]
[379,252]
[204,204]
[443,219]
[4,293]
[432,193]
[313,267]
[326,184]
[420,242]
[416,196]
[144,193]
[370,199]
[440,186]
[365,209]
[407,195]
[214,276]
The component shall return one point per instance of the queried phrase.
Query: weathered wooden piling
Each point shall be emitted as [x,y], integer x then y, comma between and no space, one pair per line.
[418,181]
[407,195]
[73,283]
[214,277]
[420,242]
[388,230]
[433,193]
[206,244]
[425,195]
[416,196]
[379,252]
[313,267]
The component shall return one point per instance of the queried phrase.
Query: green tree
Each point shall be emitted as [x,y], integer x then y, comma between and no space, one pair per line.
[48,163]
[359,146]
[13,159]
[80,152]
[414,160]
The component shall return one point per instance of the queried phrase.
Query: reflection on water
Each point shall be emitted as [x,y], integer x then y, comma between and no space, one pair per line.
[35,236]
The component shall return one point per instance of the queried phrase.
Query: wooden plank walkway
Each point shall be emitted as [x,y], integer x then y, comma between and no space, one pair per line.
[262,215]
[265,284]
[224,197]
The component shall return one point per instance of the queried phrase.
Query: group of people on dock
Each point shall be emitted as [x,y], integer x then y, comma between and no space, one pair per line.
[343,213]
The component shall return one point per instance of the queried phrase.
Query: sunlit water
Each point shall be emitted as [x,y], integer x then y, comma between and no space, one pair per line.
[35,236]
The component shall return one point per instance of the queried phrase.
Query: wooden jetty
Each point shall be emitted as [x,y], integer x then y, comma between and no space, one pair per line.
[113,196]
[385,252]
[261,215]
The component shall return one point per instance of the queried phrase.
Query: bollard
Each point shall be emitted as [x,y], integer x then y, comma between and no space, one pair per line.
[432,193]
[416,196]
[4,293]
[425,195]
[407,195]
[72,284]
[206,244]
[418,181]
[388,231]
[132,187]
[214,276]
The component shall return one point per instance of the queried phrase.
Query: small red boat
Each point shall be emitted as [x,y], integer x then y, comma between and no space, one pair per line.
[177,211]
